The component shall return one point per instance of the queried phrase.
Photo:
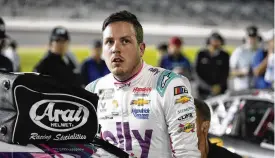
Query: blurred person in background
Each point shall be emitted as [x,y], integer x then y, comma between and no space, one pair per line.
[71,59]
[5,63]
[260,63]
[269,75]
[174,60]
[241,60]
[212,67]
[162,50]
[11,53]
[208,149]
[54,64]
[94,67]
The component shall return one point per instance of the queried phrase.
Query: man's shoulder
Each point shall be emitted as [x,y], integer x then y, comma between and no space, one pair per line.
[165,57]
[6,63]
[102,81]
[4,59]
[224,53]
[166,78]
[243,49]
[45,62]
[203,51]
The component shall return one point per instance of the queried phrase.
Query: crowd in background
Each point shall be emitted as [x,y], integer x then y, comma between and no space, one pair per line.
[251,65]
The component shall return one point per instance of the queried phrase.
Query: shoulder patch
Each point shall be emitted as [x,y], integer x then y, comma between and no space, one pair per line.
[164,79]
[91,86]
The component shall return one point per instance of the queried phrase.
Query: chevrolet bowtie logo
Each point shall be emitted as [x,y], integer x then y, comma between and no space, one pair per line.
[183,99]
[140,102]
[115,103]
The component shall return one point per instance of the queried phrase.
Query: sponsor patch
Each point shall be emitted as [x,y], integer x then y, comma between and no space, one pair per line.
[182,100]
[140,102]
[187,109]
[142,91]
[122,85]
[141,113]
[187,128]
[102,107]
[180,90]
[185,116]
[58,137]
[115,103]
[106,93]
[106,117]
[154,70]
[165,79]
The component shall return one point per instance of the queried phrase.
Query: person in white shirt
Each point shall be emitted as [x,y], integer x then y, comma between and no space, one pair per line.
[241,59]
[269,75]
[11,53]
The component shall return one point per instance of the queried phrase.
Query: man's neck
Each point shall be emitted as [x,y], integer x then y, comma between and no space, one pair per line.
[126,77]
[97,59]
[212,50]
[55,52]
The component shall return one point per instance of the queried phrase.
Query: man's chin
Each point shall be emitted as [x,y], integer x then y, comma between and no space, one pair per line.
[118,71]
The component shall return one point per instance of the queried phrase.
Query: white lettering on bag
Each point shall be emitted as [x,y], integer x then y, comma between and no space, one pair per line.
[59,120]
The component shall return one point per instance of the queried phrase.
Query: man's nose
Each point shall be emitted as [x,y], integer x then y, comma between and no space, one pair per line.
[116,47]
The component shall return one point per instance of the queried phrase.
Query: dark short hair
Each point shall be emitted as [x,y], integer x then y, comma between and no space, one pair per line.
[97,44]
[203,110]
[162,46]
[126,17]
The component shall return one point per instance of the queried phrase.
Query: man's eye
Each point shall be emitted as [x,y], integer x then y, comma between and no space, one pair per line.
[109,42]
[125,41]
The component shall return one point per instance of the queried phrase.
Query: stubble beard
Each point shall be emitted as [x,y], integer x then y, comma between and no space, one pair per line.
[123,74]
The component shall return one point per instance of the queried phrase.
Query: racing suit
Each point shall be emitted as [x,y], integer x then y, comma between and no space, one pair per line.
[150,115]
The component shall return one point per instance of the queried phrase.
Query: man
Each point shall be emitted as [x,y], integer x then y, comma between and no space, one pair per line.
[11,53]
[212,67]
[140,107]
[259,63]
[208,150]
[5,63]
[94,67]
[241,59]
[174,60]
[53,64]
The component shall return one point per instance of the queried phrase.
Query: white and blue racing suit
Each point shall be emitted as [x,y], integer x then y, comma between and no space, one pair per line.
[150,115]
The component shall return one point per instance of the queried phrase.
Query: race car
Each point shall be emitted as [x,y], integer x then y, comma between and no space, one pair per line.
[243,122]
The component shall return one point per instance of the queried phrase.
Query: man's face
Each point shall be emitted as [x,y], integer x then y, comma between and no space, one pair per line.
[215,43]
[252,40]
[174,49]
[60,46]
[121,51]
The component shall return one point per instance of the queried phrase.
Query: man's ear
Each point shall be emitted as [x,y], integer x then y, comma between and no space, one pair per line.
[142,47]
[205,126]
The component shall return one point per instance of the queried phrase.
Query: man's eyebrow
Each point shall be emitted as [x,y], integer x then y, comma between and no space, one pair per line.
[128,36]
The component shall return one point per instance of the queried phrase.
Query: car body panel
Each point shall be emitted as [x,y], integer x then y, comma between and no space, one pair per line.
[224,108]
